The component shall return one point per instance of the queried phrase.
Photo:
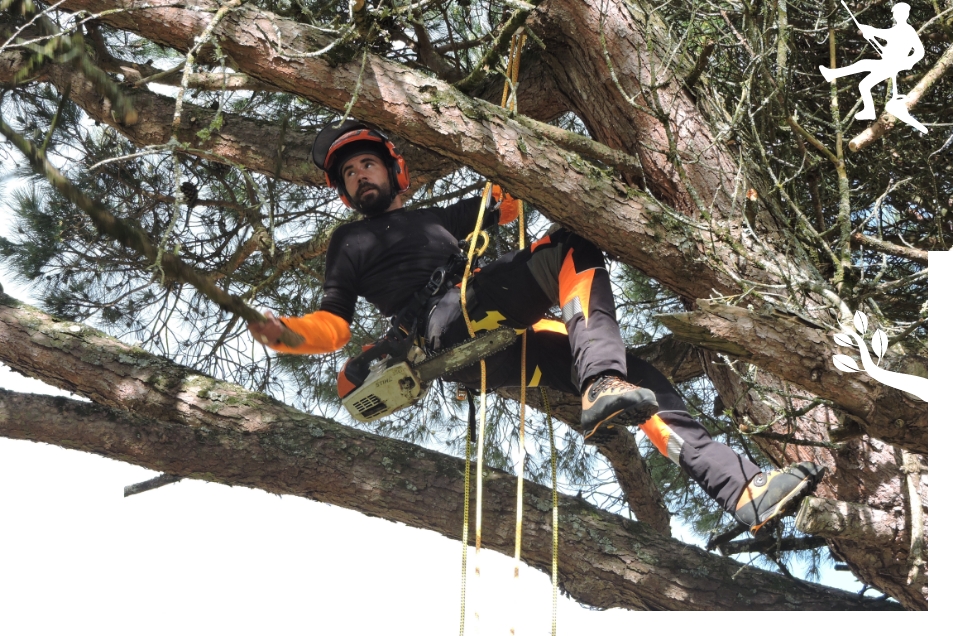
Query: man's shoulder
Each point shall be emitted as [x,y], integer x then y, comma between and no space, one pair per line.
[347,236]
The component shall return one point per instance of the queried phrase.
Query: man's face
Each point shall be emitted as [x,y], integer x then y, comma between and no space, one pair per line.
[367,182]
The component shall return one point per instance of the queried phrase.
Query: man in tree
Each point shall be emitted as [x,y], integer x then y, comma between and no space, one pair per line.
[391,254]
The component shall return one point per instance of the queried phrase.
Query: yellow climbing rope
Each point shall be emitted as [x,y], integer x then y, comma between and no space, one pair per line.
[512,72]
[552,455]
[478,522]
[508,101]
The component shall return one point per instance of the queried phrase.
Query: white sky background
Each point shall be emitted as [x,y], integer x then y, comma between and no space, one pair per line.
[202,558]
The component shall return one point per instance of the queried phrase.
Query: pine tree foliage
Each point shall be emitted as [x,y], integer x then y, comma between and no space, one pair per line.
[752,67]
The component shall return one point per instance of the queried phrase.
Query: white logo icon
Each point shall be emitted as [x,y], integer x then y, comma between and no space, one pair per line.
[911,384]
[901,52]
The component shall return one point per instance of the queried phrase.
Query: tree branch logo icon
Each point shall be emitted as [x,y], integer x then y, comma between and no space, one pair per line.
[901,51]
[853,337]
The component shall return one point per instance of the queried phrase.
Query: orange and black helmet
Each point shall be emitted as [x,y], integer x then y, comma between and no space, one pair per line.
[342,139]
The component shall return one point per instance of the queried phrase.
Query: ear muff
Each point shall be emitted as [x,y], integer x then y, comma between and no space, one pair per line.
[399,170]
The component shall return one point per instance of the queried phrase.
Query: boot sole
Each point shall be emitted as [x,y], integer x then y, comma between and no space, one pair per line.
[641,412]
[782,506]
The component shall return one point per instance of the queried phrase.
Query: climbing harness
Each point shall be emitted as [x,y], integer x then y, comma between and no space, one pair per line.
[508,101]
[395,372]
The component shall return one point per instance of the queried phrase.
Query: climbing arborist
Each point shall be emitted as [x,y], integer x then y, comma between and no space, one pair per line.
[392,253]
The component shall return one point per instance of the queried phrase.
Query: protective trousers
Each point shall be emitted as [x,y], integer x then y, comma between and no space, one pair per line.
[565,270]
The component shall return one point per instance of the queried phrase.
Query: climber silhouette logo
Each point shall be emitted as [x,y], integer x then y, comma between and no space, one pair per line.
[849,337]
[901,51]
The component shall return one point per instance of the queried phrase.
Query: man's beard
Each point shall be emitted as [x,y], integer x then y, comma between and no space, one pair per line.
[376,202]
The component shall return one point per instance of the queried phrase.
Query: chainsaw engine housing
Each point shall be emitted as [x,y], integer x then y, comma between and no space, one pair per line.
[389,387]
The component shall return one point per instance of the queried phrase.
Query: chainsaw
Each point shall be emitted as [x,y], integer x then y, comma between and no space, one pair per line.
[395,373]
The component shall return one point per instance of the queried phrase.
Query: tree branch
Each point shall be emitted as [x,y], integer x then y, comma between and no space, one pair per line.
[132,236]
[918,256]
[911,468]
[768,544]
[843,520]
[700,64]
[493,55]
[167,417]
[802,353]
[150,484]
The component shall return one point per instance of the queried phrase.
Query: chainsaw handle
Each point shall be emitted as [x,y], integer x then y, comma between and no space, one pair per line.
[359,366]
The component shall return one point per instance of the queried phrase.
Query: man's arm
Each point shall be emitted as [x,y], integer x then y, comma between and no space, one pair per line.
[869,31]
[327,329]
[918,51]
[460,218]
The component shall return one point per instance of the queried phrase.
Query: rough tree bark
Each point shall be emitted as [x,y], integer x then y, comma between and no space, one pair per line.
[770,342]
[630,224]
[156,414]
[690,233]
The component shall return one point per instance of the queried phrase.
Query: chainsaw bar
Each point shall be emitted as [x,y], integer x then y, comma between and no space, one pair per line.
[464,354]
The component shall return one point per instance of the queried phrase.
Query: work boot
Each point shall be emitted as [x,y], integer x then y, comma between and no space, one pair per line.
[607,397]
[768,496]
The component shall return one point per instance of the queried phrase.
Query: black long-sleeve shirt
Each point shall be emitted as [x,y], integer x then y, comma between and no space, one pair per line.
[389,257]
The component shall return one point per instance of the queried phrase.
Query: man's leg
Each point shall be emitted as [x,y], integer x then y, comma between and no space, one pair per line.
[720,471]
[563,270]
[881,73]
[736,483]
[516,290]
[550,361]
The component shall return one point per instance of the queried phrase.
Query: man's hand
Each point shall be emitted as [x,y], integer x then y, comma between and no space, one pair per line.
[508,206]
[271,331]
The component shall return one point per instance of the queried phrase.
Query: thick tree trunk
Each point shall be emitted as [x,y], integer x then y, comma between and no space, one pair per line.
[629,224]
[165,417]
[696,241]
[687,167]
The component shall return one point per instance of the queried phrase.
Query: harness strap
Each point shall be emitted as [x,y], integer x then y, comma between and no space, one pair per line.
[408,319]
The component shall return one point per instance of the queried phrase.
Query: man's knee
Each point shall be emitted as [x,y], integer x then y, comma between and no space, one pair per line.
[560,259]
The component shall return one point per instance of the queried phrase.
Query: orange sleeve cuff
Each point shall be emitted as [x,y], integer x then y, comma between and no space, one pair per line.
[323,332]
[509,207]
